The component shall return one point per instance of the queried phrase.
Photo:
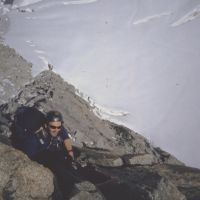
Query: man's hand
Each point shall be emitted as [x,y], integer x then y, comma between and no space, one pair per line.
[71,154]
[69,148]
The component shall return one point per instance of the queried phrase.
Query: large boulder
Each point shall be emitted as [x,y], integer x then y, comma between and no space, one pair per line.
[140,183]
[22,179]
[186,179]
[86,190]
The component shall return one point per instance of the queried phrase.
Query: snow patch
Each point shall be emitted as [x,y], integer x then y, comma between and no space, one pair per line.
[106,113]
[100,111]
[53,4]
[30,43]
[79,2]
[21,3]
[39,51]
[150,18]
[188,17]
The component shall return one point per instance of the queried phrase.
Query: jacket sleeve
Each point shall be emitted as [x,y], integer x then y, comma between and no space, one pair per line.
[64,134]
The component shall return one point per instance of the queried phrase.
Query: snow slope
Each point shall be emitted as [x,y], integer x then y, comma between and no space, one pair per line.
[136,62]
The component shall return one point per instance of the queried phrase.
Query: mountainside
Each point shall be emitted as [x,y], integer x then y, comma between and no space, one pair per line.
[14,72]
[137,60]
[126,161]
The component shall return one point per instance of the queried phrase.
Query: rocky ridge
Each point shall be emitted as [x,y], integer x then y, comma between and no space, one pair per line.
[140,170]
[15,72]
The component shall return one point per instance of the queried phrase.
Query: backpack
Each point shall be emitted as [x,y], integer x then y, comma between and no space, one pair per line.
[27,121]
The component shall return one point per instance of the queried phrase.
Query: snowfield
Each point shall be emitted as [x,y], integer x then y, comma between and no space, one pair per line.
[136,62]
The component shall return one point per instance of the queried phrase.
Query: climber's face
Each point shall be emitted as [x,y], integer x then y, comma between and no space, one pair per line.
[54,128]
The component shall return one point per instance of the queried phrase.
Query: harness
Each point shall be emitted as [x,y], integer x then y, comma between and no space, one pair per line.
[52,143]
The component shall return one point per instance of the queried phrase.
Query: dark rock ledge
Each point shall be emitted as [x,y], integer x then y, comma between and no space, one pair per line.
[129,166]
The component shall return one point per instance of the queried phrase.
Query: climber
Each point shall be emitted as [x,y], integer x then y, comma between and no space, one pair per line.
[58,153]
[45,140]
[54,136]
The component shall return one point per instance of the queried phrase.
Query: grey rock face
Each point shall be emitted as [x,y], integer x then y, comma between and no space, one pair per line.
[146,159]
[87,195]
[14,73]
[141,183]
[187,179]
[86,190]
[22,179]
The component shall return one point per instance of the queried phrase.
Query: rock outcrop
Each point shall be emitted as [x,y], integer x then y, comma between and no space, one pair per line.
[119,163]
[22,179]
[49,91]
[14,73]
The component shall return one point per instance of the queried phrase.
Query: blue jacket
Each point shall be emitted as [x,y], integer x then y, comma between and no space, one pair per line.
[34,143]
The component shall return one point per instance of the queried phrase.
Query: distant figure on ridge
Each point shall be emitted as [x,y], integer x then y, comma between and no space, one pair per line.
[50,66]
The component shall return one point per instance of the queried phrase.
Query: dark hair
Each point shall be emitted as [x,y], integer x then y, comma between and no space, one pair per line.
[54,116]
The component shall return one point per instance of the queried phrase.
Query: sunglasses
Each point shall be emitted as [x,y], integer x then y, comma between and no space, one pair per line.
[55,127]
